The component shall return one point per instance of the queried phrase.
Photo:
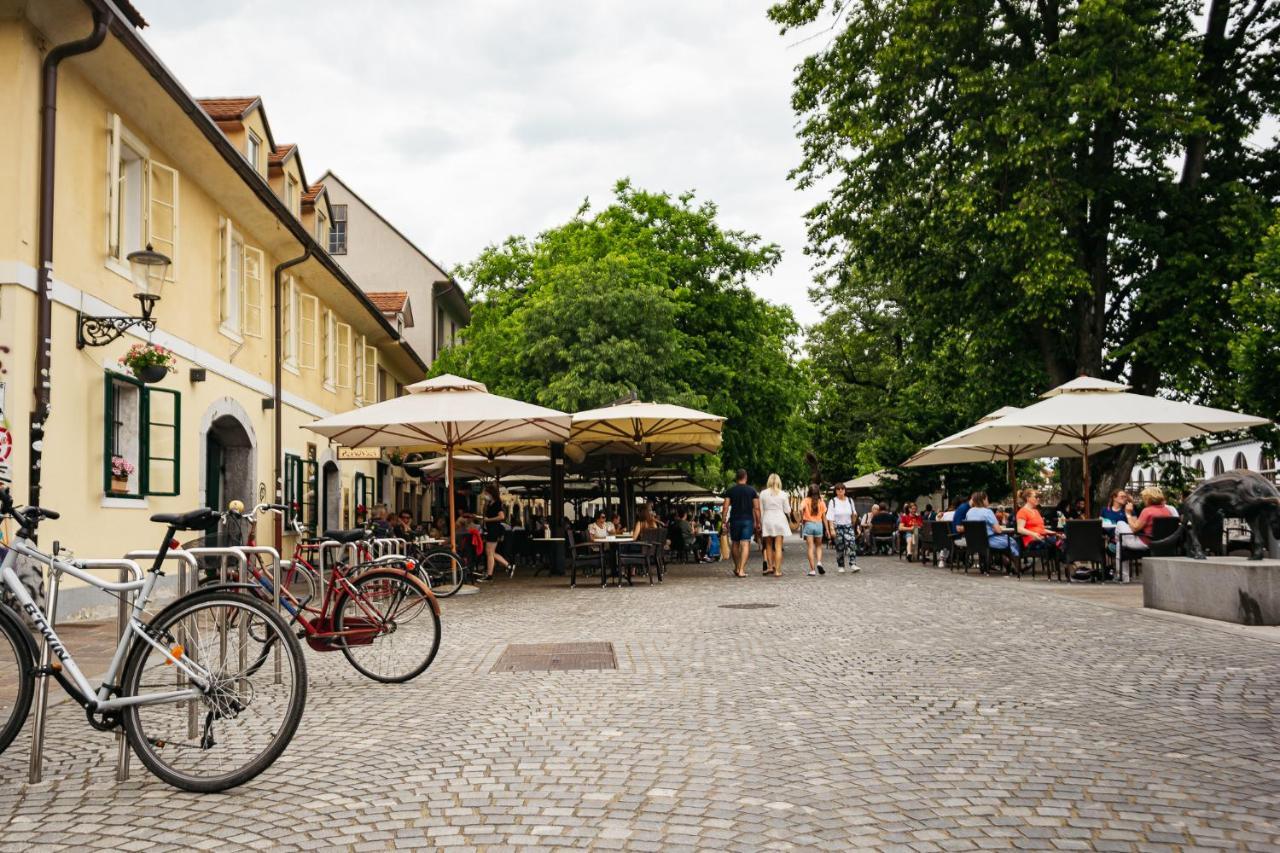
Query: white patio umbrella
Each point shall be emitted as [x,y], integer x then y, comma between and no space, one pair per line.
[867,481]
[446,414]
[1090,413]
[491,468]
[637,423]
[956,449]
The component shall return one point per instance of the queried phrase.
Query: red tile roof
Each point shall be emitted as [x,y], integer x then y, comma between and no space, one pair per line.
[388,301]
[312,193]
[227,109]
[276,157]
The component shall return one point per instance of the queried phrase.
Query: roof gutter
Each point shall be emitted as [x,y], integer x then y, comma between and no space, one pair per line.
[142,52]
[102,18]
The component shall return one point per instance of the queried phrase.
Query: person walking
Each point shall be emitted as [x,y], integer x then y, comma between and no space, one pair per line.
[841,516]
[494,515]
[813,512]
[775,508]
[742,511]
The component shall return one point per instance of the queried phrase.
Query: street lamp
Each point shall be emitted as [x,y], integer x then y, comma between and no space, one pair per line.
[149,269]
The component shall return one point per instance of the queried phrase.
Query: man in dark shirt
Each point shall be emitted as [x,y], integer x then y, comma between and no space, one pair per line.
[742,508]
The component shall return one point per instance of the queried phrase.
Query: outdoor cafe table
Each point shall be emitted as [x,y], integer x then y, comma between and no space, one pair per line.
[556,555]
[611,543]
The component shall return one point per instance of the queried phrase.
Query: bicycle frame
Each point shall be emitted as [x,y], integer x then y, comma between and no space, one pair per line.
[78,686]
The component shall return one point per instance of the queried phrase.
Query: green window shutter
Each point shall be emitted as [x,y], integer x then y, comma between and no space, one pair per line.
[382,475]
[311,500]
[161,441]
[108,429]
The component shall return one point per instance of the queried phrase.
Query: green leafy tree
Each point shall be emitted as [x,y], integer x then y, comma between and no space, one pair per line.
[1255,352]
[650,294]
[1031,190]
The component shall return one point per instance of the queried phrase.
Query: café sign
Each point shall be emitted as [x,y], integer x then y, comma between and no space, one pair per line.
[360,453]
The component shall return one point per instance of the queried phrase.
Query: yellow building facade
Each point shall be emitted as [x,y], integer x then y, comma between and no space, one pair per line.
[139,162]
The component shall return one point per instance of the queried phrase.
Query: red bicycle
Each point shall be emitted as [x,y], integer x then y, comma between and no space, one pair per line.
[383,619]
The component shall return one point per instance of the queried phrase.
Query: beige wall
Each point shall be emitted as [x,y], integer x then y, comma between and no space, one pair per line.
[237,370]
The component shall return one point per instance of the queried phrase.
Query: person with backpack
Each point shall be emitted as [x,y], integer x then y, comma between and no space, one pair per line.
[841,518]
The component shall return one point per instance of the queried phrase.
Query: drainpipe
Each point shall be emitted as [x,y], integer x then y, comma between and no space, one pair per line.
[44,272]
[278,409]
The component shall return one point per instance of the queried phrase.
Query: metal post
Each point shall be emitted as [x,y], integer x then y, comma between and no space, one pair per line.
[122,624]
[36,770]
[273,555]
[239,556]
[324,550]
[188,580]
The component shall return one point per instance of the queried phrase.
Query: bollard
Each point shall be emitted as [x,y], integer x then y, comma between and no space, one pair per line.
[122,625]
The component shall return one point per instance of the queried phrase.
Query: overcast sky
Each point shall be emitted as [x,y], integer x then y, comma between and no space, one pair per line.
[464,123]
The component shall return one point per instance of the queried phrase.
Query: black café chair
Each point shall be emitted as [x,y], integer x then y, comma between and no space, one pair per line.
[637,554]
[939,539]
[924,542]
[883,534]
[976,544]
[586,555]
[1163,528]
[1086,543]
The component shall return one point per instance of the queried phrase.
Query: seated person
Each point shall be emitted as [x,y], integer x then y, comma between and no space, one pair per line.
[1114,513]
[598,529]
[1154,507]
[1030,523]
[998,538]
[909,524]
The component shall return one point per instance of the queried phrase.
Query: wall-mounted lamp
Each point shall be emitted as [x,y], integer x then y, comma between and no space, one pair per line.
[149,269]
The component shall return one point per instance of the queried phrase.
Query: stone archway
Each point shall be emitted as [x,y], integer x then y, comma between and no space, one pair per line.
[228,451]
[330,496]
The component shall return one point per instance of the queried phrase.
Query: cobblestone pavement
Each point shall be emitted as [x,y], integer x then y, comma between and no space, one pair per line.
[903,708]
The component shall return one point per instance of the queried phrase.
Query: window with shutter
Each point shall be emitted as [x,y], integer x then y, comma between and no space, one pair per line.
[370,374]
[343,353]
[308,320]
[289,323]
[162,214]
[122,437]
[253,290]
[230,280]
[358,357]
[161,441]
[328,348]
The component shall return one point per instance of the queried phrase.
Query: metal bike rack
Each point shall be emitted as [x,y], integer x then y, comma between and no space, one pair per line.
[273,555]
[388,546]
[323,548]
[235,553]
[35,770]
[188,580]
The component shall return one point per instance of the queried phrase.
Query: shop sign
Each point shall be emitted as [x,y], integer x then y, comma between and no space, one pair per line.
[358,453]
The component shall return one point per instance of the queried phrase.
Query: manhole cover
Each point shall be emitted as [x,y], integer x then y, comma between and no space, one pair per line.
[556,657]
[751,605]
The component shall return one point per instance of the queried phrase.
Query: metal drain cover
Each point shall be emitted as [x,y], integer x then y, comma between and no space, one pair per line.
[750,605]
[556,657]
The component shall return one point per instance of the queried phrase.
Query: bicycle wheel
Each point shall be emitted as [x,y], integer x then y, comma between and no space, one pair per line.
[443,572]
[17,676]
[244,717]
[301,581]
[391,624]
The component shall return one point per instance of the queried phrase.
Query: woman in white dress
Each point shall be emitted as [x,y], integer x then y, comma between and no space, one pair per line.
[775,524]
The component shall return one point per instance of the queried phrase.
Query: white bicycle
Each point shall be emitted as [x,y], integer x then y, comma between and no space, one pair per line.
[187,686]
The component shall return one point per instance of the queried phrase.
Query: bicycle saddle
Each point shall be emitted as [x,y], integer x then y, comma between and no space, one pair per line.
[345,536]
[197,519]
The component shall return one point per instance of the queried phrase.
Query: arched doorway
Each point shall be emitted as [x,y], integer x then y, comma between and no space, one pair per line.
[330,496]
[229,461]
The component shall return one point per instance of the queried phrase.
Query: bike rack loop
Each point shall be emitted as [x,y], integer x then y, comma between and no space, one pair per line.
[188,580]
[35,770]
[274,556]
[324,549]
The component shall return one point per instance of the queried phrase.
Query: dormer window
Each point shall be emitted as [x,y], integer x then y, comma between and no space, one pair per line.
[338,231]
[253,151]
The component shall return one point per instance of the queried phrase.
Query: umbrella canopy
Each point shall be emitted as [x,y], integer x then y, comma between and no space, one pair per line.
[475,465]
[675,487]
[867,481]
[668,448]
[447,413]
[1090,414]
[638,423]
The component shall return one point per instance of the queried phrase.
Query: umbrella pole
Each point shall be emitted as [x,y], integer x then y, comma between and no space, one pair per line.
[1013,482]
[453,514]
[1088,484]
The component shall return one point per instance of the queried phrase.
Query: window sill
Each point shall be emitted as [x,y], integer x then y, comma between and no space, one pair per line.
[120,269]
[292,368]
[329,386]
[123,502]
[228,332]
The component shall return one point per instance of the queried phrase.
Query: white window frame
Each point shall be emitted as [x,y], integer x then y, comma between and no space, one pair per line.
[289,323]
[308,315]
[252,303]
[342,355]
[370,379]
[253,150]
[329,347]
[231,281]
[119,137]
[291,193]
[322,231]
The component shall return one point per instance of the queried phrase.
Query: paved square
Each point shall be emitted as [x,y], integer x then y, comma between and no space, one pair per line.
[901,708]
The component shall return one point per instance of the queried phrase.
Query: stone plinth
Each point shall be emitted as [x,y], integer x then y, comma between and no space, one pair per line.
[1232,589]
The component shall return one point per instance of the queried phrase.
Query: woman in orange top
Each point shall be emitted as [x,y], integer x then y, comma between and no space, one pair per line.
[1035,536]
[813,515]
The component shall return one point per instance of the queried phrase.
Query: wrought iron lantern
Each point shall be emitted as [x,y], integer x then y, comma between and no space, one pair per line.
[149,270]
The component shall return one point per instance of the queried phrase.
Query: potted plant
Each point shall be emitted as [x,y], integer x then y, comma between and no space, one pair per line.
[396,458]
[121,470]
[361,511]
[149,363]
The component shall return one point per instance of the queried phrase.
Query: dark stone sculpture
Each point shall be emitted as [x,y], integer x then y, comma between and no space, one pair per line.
[1235,494]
